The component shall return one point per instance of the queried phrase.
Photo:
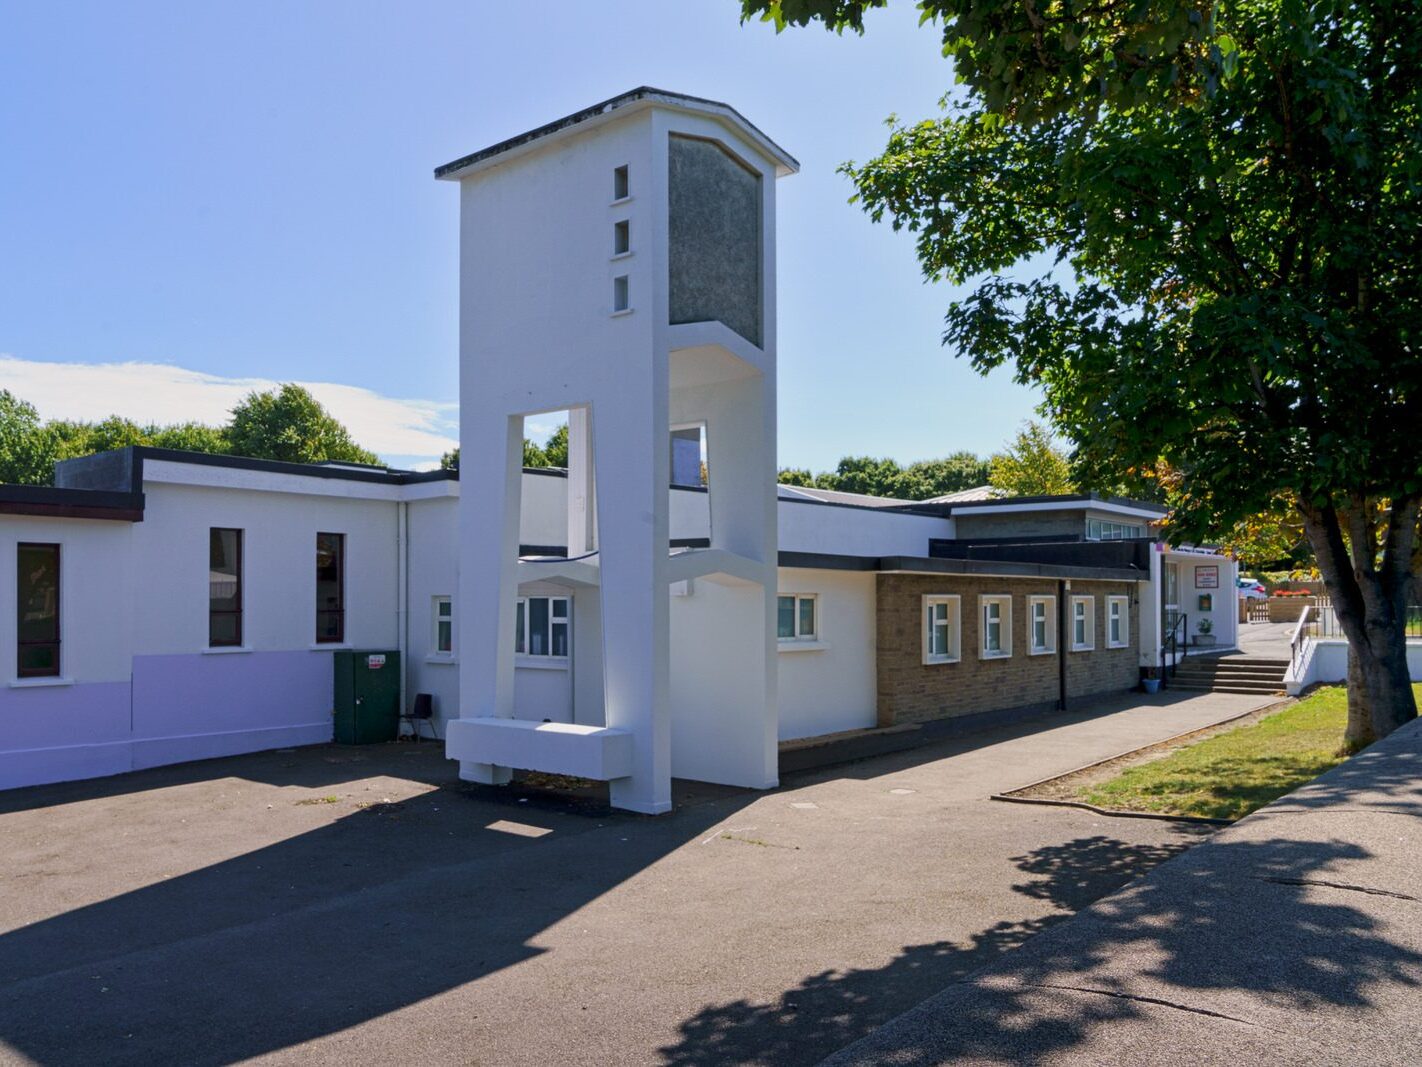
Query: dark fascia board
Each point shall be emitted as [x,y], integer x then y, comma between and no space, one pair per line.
[47,501]
[136,456]
[1067,500]
[964,567]
[828,561]
[578,117]
[1005,569]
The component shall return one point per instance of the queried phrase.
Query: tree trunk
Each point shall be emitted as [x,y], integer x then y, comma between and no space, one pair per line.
[1370,601]
[1358,734]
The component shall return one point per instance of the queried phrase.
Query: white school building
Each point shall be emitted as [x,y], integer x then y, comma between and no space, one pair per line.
[659,609]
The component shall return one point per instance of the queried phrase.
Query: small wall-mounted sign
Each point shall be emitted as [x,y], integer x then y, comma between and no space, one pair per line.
[375,662]
[1207,577]
[1207,602]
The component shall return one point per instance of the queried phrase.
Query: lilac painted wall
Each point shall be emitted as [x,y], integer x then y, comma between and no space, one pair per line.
[57,733]
[196,706]
[181,707]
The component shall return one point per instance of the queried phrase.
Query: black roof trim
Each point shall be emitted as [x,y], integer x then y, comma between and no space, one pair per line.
[621,100]
[987,568]
[121,470]
[1008,569]
[46,500]
[1065,499]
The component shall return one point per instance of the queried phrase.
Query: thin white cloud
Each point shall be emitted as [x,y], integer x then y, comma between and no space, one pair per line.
[162,393]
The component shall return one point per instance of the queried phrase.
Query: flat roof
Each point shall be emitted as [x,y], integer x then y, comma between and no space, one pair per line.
[121,470]
[1060,500]
[643,96]
[51,502]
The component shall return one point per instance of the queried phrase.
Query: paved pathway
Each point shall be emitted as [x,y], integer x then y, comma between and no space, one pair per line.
[335,905]
[1292,937]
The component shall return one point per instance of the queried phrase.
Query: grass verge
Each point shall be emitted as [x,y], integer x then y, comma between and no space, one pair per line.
[1231,774]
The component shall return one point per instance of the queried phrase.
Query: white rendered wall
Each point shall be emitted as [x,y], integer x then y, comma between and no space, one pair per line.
[1224,600]
[857,531]
[96,610]
[544,519]
[433,571]
[278,564]
[833,685]
[1325,660]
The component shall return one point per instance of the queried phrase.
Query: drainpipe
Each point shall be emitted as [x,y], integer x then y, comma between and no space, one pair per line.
[1063,587]
[402,621]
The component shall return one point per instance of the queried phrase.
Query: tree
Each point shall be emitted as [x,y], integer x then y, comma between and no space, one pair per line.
[863,474]
[1227,197]
[953,474]
[450,460]
[289,424]
[26,451]
[795,476]
[555,450]
[189,437]
[1032,465]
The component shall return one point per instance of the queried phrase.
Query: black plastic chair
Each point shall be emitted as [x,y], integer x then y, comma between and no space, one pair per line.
[421,711]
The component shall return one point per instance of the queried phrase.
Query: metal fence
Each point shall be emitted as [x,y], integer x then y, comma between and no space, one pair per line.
[1322,622]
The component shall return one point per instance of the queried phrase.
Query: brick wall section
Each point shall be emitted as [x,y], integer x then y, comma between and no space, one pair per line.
[911,691]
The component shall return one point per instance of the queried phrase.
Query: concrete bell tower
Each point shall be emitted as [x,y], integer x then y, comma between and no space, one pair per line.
[619,264]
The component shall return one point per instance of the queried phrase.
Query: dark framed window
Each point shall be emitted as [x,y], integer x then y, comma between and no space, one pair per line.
[330,588]
[37,611]
[224,588]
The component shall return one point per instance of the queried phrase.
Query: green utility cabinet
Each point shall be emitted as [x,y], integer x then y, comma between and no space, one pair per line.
[367,696]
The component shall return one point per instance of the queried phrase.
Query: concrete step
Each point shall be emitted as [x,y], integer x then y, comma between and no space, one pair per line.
[1251,661]
[1243,676]
[1252,688]
[1233,672]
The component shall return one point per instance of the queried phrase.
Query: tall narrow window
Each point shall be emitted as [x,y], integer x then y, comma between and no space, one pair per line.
[941,641]
[621,238]
[444,626]
[330,588]
[1118,621]
[224,588]
[1042,613]
[995,626]
[37,611]
[620,297]
[620,188]
[1083,623]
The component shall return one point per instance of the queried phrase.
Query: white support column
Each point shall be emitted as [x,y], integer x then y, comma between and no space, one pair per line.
[582,500]
[489,507]
[633,531]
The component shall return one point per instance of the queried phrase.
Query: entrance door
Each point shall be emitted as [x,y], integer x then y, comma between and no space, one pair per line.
[1170,597]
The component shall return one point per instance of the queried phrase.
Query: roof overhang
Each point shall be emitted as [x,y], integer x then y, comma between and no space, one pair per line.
[619,107]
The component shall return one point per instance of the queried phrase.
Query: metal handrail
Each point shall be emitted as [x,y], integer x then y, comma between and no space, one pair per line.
[1296,641]
[1172,642]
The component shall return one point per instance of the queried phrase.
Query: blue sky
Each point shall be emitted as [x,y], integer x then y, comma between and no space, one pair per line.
[196,200]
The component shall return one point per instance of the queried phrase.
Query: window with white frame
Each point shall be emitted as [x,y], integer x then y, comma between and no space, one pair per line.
[1118,621]
[942,632]
[442,624]
[1105,530]
[1083,623]
[543,627]
[797,617]
[995,626]
[1042,622]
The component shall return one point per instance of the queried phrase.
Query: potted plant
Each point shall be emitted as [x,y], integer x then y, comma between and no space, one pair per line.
[1205,637]
[1150,679]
